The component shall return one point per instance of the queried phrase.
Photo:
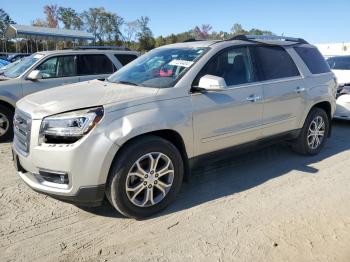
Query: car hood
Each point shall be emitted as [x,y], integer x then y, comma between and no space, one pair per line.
[84,95]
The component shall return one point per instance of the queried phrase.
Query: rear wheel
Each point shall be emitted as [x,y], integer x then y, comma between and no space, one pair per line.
[6,123]
[145,177]
[314,133]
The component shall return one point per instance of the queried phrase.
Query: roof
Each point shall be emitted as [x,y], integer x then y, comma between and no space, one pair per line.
[205,43]
[45,33]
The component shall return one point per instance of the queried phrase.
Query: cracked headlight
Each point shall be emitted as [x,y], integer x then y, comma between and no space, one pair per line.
[69,127]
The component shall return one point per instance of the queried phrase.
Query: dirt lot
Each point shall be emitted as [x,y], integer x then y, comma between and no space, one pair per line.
[269,205]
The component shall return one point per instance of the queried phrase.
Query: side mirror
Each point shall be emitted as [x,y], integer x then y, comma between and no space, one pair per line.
[34,75]
[212,83]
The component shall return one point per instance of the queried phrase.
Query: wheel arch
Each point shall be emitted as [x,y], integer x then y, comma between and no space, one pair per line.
[327,107]
[168,134]
[7,104]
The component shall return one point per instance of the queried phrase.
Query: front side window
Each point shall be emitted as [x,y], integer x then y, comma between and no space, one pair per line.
[159,68]
[339,63]
[59,66]
[274,63]
[234,65]
[94,65]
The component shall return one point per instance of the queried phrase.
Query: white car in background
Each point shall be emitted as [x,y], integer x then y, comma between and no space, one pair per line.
[340,66]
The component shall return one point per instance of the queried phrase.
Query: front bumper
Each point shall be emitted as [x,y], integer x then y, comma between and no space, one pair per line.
[86,164]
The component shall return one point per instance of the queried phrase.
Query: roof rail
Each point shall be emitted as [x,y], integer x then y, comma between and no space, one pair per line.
[87,47]
[259,38]
[192,40]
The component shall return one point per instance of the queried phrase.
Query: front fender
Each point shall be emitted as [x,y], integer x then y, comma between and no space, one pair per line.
[10,93]
[130,123]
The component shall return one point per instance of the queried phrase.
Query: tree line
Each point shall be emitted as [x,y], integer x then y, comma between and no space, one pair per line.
[109,28]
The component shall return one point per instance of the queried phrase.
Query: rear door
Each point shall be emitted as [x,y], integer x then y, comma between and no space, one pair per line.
[94,66]
[55,71]
[125,59]
[283,89]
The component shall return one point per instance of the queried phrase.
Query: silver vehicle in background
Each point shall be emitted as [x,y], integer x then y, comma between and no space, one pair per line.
[49,69]
[134,137]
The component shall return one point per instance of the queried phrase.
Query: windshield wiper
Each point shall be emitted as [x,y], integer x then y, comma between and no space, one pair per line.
[128,83]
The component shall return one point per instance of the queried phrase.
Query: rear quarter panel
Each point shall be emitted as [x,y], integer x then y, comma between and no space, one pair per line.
[320,88]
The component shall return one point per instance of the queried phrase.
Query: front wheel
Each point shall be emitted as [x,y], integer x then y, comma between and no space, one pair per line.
[145,177]
[314,133]
[6,122]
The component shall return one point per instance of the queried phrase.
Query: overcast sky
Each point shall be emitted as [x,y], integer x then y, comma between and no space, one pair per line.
[318,21]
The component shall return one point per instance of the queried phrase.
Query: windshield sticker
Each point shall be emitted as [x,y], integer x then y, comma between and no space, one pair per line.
[182,63]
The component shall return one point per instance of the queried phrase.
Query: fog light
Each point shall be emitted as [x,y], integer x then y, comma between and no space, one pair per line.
[54,177]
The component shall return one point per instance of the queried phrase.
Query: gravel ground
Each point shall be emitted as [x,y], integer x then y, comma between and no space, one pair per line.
[267,205]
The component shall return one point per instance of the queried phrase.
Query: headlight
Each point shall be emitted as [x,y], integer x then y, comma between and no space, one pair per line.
[68,128]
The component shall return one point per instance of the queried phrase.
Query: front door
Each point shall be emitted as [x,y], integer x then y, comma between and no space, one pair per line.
[233,116]
[55,71]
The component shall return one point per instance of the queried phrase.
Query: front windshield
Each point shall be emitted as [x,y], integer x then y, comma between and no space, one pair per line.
[22,66]
[160,68]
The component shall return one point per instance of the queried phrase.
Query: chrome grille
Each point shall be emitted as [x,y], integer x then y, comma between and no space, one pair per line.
[22,127]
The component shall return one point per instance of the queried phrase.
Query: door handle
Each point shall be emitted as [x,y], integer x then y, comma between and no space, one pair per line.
[300,89]
[253,98]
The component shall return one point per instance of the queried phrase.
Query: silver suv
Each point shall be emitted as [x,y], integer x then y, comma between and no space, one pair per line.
[44,70]
[135,136]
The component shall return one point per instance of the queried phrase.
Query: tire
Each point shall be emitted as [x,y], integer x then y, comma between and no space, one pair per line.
[304,146]
[6,123]
[124,165]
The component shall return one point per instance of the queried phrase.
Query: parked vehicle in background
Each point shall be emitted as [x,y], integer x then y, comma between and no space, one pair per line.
[14,57]
[3,63]
[340,66]
[4,68]
[49,69]
[135,136]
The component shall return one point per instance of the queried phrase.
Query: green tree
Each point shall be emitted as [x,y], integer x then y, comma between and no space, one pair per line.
[91,18]
[70,18]
[111,26]
[105,26]
[145,35]
[130,30]
[5,21]
[237,29]
[255,31]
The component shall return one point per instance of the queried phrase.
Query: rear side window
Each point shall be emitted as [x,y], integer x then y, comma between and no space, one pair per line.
[274,62]
[313,59]
[339,63]
[125,59]
[94,65]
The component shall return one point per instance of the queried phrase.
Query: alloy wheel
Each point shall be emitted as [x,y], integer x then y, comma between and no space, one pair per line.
[4,124]
[150,179]
[316,132]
